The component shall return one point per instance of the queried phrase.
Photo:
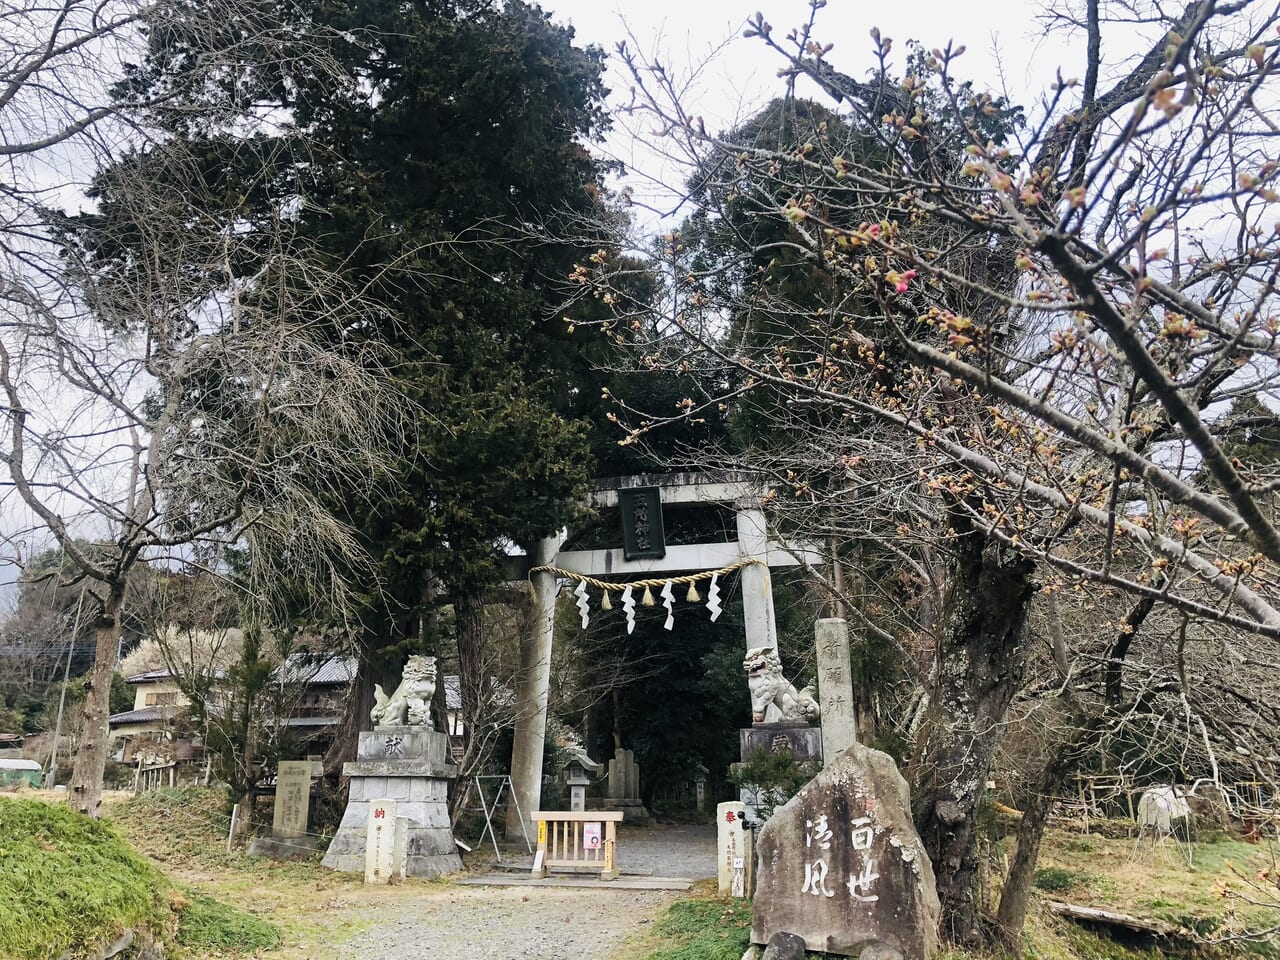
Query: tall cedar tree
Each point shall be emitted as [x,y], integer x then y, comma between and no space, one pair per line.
[462,133]
[472,130]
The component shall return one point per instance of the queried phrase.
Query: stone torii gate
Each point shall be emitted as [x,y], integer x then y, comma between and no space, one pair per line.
[535,652]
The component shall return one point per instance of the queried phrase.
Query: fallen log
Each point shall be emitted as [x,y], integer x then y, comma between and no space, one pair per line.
[1158,928]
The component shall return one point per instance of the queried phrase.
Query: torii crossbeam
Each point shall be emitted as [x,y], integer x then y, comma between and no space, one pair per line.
[757,598]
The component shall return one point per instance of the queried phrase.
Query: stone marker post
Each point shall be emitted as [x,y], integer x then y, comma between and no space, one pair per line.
[633,776]
[618,776]
[835,688]
[293,796]
[380,844]
[734,851]
[399,848]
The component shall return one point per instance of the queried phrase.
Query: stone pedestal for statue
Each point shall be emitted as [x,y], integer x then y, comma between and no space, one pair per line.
[803,741]
[406,764]
[841,865]
[624,788]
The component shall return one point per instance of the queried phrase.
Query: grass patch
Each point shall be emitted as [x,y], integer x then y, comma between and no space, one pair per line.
[186,826]
[205,924]
[707,929]
[69,882]
[1056,879]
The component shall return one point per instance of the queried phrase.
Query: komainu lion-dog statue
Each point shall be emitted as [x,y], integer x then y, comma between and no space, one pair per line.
[411,702]
[773,698]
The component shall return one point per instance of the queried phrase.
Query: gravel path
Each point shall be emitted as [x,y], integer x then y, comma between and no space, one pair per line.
[668,851]
[663,851]
[503,923]
[428,921]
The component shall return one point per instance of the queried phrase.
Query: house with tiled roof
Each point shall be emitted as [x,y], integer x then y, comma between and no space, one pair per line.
[315,708]
[158,706]
[319,685]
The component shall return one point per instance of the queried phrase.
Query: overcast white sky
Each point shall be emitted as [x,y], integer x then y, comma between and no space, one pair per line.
[1006,47]
[730,77]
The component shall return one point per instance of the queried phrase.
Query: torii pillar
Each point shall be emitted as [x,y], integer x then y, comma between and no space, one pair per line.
[533,686]
[760,628]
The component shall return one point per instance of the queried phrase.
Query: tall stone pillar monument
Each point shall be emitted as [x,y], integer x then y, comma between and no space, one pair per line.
[835,688]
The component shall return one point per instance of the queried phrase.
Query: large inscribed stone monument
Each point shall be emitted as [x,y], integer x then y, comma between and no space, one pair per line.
[841,865]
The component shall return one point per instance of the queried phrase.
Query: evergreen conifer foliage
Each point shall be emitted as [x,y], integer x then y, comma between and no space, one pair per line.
[462,131]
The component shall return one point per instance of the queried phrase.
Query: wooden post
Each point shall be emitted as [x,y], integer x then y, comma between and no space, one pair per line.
[610,871]
[540,855]
[231,831]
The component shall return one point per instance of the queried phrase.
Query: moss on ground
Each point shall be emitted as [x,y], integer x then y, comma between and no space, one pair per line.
[1156,881]
[296,897]
[205,924]
[69,883]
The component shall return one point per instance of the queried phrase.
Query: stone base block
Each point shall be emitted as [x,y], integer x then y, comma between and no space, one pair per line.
[285,848]
[633,811]
[403,743]
[410,766]
[430,849]
[802,740]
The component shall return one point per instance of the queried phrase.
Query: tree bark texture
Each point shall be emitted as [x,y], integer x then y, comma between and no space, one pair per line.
[84,792]
[468,612]
[355,714]
[1063,760]
[981,656]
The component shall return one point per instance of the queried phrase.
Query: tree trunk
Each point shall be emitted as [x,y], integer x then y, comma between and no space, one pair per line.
[1016,893]
[84,792]
[468,611]
[1064,760]
[981,656]
[355,715]
[244,801]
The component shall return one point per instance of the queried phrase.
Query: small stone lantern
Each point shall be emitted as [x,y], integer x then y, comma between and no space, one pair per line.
[576,778]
